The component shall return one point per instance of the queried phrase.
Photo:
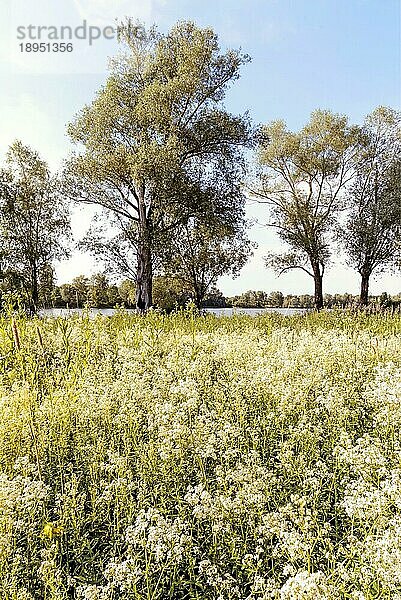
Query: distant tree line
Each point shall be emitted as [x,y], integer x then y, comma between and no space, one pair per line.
[260,299]
[98,291]
[171,170]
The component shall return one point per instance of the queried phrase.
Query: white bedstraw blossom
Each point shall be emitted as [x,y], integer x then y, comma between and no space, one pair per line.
[306,586]
[165,538]
[263,588]
[122,574]
[221,582]
[23,594]
[381,555]
[93,592]
[267,449]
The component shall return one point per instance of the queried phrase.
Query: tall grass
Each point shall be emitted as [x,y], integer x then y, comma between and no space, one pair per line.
[186,457]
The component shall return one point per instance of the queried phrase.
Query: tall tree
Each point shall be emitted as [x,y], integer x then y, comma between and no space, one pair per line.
[302,178]
[206,246]
[204,250]
[34,221]
[156,134]
[113,241]
[372,232]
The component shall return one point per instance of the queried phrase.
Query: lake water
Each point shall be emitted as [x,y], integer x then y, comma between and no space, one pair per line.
[220,312]
[228,312]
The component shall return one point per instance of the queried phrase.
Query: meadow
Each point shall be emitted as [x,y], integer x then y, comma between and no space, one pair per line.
[187,457]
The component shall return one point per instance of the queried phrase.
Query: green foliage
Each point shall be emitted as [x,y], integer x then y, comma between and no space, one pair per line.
[34,223]
[126,291]
[170,293]
[252,299]
[276,299]
[99,291]
[205,249]
[96,291]
[302,176]
[158,145]
[371,234]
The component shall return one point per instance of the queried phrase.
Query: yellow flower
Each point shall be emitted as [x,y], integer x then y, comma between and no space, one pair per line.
[51,530]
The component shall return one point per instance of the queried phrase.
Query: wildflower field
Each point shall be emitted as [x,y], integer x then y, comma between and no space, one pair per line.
[182,457]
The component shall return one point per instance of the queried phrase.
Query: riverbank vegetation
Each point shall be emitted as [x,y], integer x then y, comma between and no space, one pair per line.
[200,457]
[171,293]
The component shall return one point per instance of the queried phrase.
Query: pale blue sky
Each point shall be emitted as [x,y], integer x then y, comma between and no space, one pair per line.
[338,54]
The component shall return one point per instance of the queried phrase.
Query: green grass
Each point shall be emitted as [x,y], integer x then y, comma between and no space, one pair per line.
[183,457]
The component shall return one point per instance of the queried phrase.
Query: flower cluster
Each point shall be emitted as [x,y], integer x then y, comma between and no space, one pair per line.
[186,458]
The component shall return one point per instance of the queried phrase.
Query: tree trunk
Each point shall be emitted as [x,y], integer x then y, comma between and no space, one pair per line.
[198,298]
[143,292]
[34,292]
[318,280]
[364,297]
[144,273]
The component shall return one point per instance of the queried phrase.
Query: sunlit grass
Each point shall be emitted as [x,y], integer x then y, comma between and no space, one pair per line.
[200,457]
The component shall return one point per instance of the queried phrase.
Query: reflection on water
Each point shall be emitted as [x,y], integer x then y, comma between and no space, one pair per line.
[228,312]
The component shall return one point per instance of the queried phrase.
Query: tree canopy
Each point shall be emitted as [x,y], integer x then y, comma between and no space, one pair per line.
[34,223]
[371,233]
[302,177]
[157,144]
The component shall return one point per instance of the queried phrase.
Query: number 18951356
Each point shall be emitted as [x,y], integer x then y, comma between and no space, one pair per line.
[46,47]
